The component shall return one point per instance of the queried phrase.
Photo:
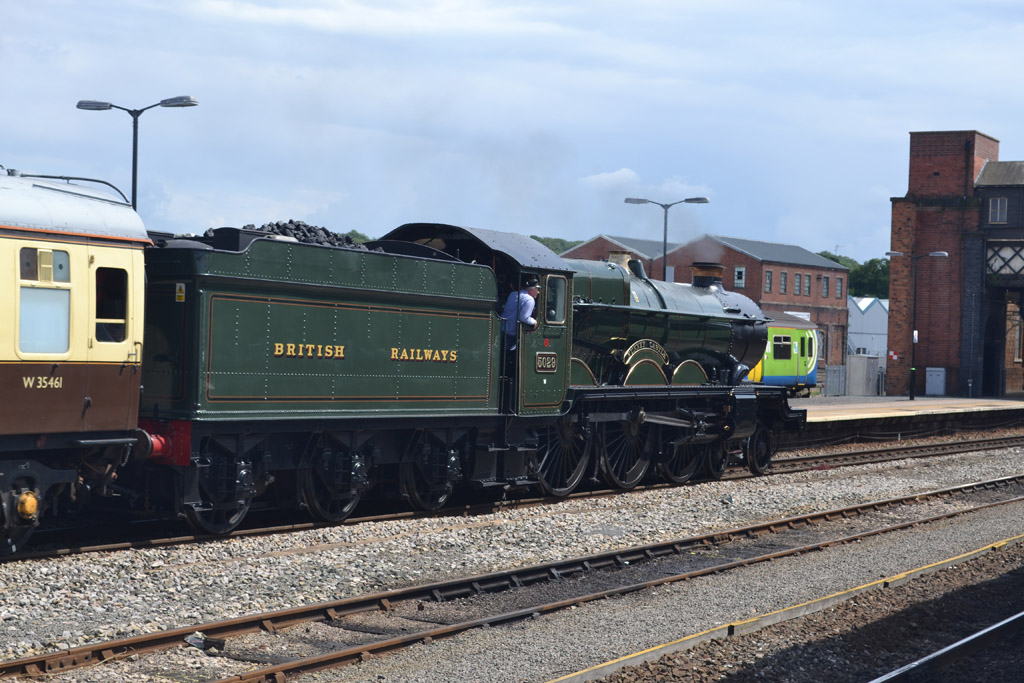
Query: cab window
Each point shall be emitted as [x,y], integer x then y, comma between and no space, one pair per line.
[555,300]
[782,347]
[111,304]
[44,306]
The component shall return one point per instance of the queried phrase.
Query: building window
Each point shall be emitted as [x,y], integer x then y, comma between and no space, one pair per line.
[839,288]
[807,284]
[799,280]
[1018,338]
[767,280]
[782,282]
[740,279]
[997,210]
[824,286]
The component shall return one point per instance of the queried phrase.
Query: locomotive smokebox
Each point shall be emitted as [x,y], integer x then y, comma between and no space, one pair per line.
[707,274]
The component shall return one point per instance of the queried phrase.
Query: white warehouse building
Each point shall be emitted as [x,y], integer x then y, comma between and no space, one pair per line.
[868,327]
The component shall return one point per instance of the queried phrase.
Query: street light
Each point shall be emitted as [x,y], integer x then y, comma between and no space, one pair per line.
[664,241]
[913,304]
[95,105]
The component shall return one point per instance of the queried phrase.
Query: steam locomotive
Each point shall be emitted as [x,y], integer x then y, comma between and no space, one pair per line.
[202,376]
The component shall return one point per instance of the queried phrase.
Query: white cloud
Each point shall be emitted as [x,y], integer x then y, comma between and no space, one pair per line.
[623,178]
[510,115]
[191,212]
[418,18]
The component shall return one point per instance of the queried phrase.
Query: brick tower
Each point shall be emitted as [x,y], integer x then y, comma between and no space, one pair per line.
[939,213]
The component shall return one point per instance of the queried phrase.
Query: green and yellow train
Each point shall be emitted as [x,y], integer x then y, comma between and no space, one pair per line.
[243,368]
[790,357]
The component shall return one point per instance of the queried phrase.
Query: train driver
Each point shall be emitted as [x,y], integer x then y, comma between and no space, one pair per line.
[519,309]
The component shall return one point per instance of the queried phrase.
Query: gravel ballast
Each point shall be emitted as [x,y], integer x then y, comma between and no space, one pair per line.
[74,600]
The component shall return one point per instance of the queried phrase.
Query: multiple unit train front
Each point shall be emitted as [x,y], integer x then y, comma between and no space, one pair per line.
[284,374]
[791,355]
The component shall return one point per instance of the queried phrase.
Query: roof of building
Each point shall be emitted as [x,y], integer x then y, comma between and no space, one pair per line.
[865,302]
[762,251]
[648,249]
[996,173]
[776,253]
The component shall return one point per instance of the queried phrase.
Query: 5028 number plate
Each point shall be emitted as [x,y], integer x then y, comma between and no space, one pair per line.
[547,362]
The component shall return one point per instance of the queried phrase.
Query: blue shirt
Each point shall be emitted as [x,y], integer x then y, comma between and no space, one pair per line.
[518,309]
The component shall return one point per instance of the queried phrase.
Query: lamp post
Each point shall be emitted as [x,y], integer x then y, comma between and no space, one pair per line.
[94,105]
[666,207]
[913,304]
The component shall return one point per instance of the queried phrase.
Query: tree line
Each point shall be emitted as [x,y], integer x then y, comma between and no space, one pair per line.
[870,278]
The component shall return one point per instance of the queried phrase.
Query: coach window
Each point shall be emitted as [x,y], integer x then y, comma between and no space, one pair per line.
[111,304]
[44,307]
[555,300]
[767,280]
[782,347]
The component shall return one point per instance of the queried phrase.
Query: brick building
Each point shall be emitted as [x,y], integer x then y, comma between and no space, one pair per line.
[779,277]
[961,200]
[647,251]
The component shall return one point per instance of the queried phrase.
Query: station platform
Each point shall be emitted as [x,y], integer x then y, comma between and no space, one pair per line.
[841,419]
[836,408]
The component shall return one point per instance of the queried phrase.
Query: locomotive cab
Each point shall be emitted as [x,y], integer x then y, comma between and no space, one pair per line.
[535,373]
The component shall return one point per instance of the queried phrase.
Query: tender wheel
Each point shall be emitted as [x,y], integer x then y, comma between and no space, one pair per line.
[625,452]
[716,460]
[563,453]
[327,486]
[685,461]
[758,450]
[221,490]
[424,474]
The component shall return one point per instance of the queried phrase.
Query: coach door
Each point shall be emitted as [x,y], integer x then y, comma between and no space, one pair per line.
[544,352]
[115,305]
[801,364]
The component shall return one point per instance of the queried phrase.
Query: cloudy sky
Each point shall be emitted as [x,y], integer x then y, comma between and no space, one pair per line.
[532,116]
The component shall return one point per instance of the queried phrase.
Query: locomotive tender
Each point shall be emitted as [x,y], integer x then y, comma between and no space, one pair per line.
[203,376]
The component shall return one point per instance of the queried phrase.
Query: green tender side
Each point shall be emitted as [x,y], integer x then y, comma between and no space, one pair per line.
[285,329]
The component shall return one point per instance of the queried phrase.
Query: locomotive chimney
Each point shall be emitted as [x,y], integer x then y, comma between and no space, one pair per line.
[707,274]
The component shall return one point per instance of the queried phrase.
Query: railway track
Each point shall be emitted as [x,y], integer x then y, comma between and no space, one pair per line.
[964,653]
[637,569]
[780,465]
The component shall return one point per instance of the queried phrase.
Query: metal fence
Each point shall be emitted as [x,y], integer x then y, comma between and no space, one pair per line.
[862,376]
[835,380]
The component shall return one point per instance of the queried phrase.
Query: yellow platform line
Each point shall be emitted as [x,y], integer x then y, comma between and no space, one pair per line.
[784,614]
